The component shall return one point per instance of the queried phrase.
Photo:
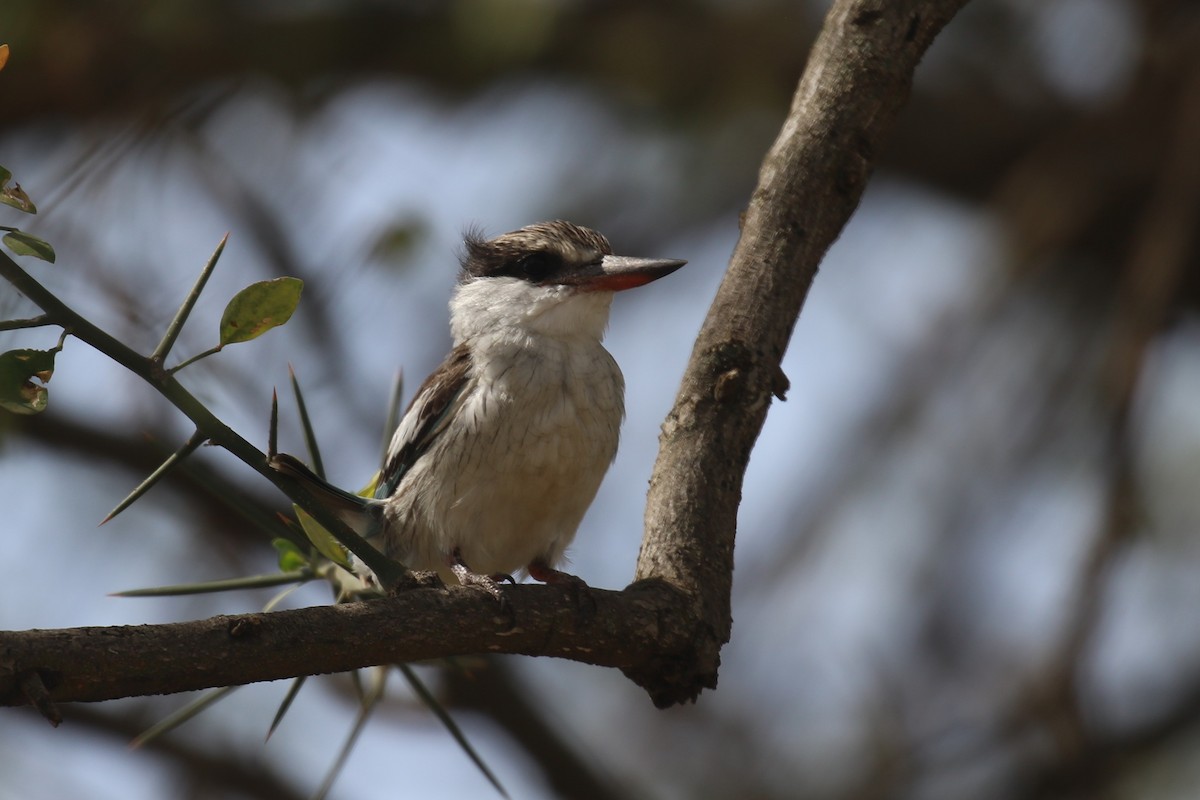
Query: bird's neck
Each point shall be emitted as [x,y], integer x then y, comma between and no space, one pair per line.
[507,309]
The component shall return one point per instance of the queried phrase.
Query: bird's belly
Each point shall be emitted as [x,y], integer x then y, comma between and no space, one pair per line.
[504,522]
[511,483]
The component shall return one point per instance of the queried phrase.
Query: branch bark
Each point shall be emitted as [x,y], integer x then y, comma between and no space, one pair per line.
[104,663]
[665,631]
[858,77]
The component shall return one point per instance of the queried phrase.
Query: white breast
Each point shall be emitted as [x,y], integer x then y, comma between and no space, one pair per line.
[509,479]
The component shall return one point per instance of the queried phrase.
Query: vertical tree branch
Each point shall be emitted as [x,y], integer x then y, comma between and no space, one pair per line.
[1154,270]
[858,77]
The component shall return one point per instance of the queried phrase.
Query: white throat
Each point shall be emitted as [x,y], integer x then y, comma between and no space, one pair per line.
[485,308]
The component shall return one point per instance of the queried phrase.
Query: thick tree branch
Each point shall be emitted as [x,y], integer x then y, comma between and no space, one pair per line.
[626,630]
[666,630]
[858,77]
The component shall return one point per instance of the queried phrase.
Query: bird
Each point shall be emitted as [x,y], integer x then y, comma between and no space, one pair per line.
[503,447]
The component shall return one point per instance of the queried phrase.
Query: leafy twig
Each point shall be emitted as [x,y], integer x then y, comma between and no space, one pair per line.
[212,351]
[39,321]
[390,573]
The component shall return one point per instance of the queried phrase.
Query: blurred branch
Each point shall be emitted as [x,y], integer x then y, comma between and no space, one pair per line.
[197,45]
[227,508]
[493,690]
[228,771]
[858,77]
[666,631]
[1104,753]
[1068,193]
[1155,269]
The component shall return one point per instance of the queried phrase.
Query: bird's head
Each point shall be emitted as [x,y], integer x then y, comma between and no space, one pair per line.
[551,277]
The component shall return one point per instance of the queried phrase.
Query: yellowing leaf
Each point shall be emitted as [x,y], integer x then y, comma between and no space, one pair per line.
[14,195]
[18,393]
[3,55]
[372,485]
[259,307]
[322,539]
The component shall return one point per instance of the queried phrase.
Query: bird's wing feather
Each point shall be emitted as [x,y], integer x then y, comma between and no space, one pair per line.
[360,513]
[430,410]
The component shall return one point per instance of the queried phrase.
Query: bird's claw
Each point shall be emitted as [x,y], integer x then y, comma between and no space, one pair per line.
[581,593]
[488,583]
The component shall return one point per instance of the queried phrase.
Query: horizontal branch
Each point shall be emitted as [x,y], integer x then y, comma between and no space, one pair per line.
[635,630]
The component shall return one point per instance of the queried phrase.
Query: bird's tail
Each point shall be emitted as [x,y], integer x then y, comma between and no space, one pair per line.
[360,513]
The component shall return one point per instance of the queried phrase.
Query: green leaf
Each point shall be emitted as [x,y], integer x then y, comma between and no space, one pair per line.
[291,557]
[24,244]
[18,393]
[259,307]
[322,539]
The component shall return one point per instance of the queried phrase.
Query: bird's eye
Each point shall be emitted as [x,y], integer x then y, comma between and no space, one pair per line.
[537,265]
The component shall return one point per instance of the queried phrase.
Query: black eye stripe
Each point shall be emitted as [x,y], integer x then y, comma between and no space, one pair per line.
[535,266]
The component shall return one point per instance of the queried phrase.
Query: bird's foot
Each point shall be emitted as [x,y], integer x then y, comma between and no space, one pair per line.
[488,583]
[581,593]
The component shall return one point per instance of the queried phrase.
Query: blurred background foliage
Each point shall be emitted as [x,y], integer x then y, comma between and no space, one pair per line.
[968,552]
